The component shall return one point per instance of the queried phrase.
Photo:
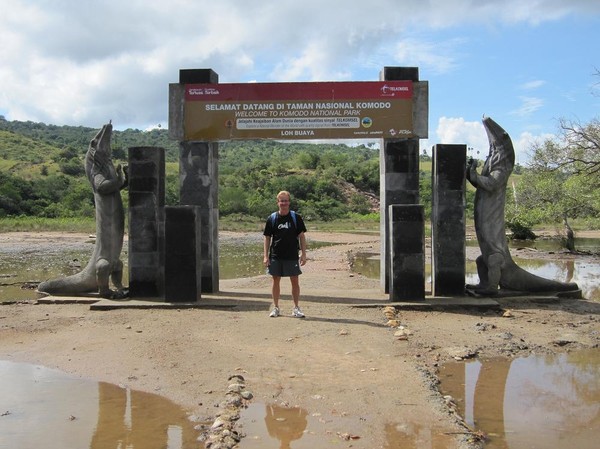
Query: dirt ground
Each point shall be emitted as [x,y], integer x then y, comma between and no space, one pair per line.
[340,361]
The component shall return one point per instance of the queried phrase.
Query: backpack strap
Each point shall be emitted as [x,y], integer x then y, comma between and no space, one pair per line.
[294,218]
[273,218]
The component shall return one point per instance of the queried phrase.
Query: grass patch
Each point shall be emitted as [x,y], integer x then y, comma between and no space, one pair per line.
[39,224]
[244,223]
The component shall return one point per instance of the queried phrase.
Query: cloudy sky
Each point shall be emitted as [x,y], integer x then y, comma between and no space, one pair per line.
[524,63]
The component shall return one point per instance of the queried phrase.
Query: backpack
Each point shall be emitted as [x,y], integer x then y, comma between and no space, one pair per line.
[273,218]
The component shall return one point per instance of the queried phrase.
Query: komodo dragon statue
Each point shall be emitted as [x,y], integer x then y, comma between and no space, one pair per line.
[495,266]
[105,263]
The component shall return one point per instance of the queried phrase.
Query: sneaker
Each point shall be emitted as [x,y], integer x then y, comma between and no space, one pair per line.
[297,313]
[275,312]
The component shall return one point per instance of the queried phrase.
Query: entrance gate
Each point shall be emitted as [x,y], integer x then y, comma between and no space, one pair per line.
[203,112]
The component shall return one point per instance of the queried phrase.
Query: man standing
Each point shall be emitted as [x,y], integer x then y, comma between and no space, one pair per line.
[283,236]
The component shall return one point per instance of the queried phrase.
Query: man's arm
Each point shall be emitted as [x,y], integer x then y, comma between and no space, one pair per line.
[266,245]
[302,248]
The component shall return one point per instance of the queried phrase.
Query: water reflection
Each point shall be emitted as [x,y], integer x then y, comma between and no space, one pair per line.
[18,270]
[37,403]
[243,258]
[272,426]
[237,259]
[583,272]
[415,436]
[285,424]
[534,402]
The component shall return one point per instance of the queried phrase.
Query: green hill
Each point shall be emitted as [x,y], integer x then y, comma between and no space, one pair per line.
[41,172]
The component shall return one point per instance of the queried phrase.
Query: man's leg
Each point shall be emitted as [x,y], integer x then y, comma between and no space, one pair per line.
[295,289]
[296,297]
[276,290]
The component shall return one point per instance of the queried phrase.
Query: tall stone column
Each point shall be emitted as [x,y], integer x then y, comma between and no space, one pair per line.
[448,253]
[198,176]
[146,221]
[199,186]
[398,172]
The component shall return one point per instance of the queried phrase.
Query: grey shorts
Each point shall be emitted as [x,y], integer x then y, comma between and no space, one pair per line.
[284,268]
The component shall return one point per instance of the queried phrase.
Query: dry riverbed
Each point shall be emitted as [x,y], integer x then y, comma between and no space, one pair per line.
[341,361]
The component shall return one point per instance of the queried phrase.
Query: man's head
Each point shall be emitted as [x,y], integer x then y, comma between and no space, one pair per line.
[283,201]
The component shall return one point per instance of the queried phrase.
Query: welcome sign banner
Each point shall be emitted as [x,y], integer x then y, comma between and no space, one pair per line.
[327,110]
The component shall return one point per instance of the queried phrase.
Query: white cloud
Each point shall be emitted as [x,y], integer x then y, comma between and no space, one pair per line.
[528,106]
[531,85]
[435,57]
[69,62]
[524,143]
[456,130]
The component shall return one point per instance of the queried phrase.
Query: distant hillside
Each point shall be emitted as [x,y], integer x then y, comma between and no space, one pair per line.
[41,172]
[78,137]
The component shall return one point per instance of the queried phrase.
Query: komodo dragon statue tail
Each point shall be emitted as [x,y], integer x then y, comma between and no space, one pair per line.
[105,263]
[495,266]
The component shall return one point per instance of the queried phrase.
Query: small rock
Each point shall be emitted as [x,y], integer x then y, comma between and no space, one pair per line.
[482,327]
[236,388]
[402,332]
[393,323]
[563,340]
[461,353]
[234,401]
[247,395]
[505,336]
[219,422]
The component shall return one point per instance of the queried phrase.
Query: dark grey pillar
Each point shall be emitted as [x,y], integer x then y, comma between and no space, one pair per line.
[399,184]
[146,221]
[448,220]
[407,248]
[399,174]
[198,186]
[199,178]
[182,254]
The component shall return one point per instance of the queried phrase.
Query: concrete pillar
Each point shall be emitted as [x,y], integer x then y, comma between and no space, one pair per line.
[399,172]
[146,221]
[199,186]
[182,254]
[407,248]
[198,176]
[448,253]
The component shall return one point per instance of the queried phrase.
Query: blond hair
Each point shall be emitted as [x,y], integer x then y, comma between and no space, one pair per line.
[284,193]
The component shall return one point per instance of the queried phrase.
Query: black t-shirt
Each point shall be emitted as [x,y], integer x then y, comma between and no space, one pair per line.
[284,236]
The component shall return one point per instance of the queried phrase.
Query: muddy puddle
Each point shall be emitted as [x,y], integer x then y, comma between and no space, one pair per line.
[41,407]
[21,269]
[271,426]
[535,402]
[583,272]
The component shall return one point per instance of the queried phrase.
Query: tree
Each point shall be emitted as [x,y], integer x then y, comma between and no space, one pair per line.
[562,182]
[575,151]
